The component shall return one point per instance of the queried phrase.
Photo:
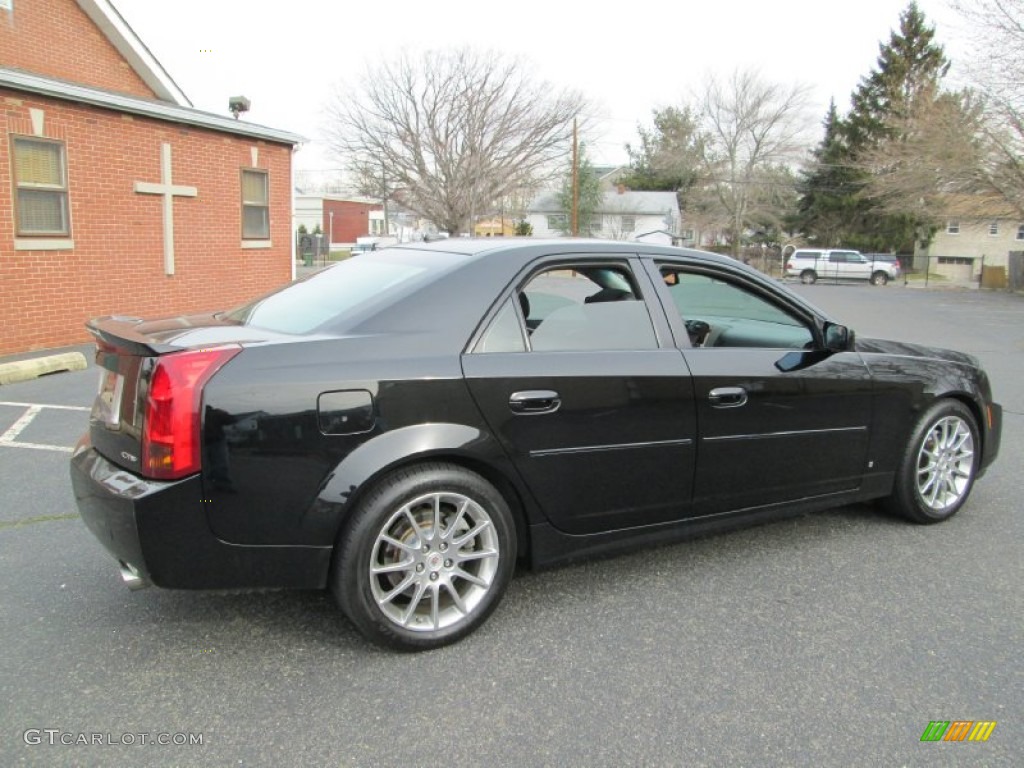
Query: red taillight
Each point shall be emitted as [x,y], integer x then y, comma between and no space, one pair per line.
[171,434]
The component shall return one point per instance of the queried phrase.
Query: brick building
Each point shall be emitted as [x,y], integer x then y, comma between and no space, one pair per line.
[347,219]
[116,196]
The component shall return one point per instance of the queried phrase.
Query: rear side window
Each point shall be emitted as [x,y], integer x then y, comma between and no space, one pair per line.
[573,308]
[586,308]
[327,298]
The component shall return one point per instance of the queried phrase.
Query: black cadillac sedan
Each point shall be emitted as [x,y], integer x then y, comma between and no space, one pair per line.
[406,425]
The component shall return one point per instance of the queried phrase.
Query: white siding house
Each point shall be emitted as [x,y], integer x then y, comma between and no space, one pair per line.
[309,211]
[623,215]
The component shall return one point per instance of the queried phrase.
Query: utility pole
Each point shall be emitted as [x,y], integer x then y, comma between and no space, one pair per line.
[384,198]
[575,182]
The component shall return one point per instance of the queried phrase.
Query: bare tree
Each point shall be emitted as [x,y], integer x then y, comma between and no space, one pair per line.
[938,160]
[997,29]
[750,127]
[997,72]
[455,131]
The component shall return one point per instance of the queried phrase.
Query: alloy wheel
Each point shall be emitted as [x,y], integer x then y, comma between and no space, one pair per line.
[945,463]
[434,561]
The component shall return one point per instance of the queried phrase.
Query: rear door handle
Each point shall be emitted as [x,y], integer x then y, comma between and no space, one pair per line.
[534,401]
[727,397]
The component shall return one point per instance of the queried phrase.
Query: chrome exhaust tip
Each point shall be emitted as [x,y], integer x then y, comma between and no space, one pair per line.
[131,577]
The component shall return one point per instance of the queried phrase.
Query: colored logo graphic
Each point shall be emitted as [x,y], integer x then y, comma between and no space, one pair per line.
[958,730]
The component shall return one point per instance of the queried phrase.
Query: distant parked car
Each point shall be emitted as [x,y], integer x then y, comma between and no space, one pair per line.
[812,264]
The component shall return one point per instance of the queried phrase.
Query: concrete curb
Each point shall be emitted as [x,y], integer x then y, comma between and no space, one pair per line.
[23,370]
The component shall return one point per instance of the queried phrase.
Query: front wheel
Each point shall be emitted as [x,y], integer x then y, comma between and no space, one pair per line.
[808,276]
[426,557]
[939,464]
[879,278]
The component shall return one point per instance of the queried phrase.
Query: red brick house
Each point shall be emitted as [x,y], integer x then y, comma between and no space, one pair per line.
[346,220]
[116,196]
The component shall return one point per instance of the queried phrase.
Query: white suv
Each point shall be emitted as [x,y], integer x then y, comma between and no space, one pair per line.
[811,264]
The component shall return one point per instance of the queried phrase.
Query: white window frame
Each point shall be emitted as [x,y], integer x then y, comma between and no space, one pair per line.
[953,227]
[249,204]
[993,227]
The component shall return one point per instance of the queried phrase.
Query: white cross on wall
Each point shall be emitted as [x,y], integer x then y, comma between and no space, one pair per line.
[169,191]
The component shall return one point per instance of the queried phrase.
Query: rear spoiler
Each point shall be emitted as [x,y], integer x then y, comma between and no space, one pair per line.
[121,332]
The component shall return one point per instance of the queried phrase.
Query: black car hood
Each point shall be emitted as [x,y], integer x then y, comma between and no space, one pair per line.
[906,349]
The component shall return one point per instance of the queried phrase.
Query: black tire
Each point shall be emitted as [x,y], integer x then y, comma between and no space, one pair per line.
[444,597]
[879,278]
[808,277]
[940,462]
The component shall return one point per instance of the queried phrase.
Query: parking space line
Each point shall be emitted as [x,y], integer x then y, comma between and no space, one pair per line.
[36,446]
[10,436]
[23,421]
[44,405]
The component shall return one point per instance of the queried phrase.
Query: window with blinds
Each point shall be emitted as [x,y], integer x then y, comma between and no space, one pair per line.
[255,206]
[41,187]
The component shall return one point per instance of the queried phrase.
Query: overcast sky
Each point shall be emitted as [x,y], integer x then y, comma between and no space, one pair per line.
[287,57]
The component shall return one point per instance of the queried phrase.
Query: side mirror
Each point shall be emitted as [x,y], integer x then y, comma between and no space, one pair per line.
[838,338]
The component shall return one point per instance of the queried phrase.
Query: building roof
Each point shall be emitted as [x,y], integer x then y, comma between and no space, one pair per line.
[106,17]
[614,202]
[161,110]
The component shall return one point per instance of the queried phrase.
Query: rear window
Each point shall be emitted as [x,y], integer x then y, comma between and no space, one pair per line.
[326,300]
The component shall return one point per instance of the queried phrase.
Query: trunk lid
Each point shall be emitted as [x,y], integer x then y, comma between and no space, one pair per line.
[129,351]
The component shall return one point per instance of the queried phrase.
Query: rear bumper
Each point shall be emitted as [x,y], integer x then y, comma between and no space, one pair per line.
[160,529]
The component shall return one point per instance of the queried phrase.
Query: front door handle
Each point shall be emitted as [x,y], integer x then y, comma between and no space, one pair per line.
[727,397]
[534,401]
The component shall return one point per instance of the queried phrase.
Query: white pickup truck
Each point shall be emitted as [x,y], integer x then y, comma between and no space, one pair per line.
[813,264]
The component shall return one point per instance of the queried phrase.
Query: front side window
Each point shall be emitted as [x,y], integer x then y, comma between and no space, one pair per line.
[952,227]
[628,223]
[255,205]
[1020,232]
[993,227]
[41,187]
[718,313]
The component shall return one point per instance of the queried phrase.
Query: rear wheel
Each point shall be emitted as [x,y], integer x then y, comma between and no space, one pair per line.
[939,464]
[808,276]
[879,278]
[426,558]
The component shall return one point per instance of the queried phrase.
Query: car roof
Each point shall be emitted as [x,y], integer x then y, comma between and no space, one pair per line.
[486,247]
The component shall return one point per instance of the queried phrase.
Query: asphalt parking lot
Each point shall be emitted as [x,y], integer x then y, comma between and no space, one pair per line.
[826,640]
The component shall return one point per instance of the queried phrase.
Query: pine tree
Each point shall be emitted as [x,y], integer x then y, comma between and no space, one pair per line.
[835,206]
[669,155]
[589,191]
[910,67]
[827,188]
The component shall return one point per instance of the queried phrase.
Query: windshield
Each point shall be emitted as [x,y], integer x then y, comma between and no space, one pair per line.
[325,300]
